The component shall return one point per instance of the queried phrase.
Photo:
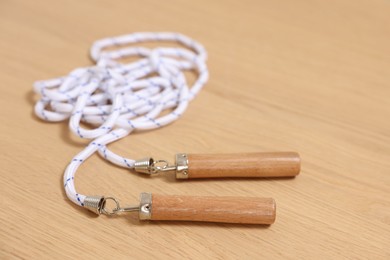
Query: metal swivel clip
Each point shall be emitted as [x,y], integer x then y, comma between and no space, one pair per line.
[97,204]
[150,166]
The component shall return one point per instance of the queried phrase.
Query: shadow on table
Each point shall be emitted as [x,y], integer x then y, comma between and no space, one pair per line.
[135,221]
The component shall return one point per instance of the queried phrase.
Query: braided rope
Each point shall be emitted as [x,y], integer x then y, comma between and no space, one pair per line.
[118,98]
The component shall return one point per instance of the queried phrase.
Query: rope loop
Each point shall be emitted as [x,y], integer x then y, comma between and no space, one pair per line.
[117,97]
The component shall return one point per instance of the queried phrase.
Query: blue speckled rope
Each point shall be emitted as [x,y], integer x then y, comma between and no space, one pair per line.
[121,97]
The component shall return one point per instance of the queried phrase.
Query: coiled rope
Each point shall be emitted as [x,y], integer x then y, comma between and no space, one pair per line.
[118,97]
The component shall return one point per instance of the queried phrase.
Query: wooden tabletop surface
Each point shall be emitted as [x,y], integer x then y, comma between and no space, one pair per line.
[305,76]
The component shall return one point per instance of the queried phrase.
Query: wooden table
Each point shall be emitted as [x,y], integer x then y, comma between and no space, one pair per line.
[306,76]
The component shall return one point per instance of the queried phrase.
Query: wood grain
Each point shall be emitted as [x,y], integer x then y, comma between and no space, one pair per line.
[305,76]
[275,164]
[245,210]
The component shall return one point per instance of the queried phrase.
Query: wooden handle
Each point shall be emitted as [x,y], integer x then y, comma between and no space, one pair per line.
[213,209]
[278,164]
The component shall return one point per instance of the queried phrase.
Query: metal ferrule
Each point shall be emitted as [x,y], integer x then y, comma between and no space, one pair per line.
[94,204]
[145,206]
[144,165]
[181,166]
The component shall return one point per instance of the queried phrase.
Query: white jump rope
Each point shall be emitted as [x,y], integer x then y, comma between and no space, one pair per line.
[119,98]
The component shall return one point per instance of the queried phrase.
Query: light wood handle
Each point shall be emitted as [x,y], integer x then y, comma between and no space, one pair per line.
[213,209]
[277,164]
